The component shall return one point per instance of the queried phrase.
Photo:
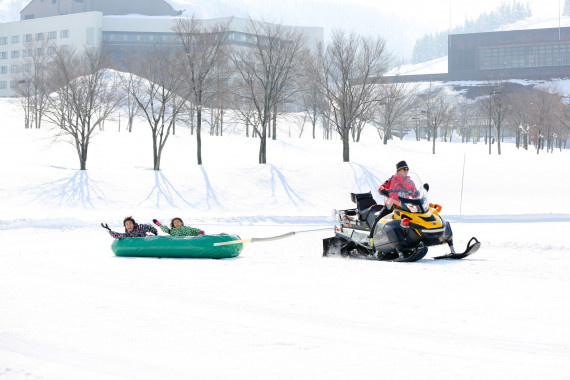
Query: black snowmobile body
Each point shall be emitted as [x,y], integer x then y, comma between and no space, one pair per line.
[402,235]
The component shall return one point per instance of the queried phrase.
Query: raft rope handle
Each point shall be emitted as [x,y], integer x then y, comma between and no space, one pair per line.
[270,238]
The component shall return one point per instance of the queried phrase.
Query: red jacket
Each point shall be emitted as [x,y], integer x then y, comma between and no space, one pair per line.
[395,184]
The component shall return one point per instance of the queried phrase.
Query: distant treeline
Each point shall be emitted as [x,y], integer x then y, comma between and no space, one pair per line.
[432,46]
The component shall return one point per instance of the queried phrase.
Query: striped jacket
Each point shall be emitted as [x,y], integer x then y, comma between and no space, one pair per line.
[140,230]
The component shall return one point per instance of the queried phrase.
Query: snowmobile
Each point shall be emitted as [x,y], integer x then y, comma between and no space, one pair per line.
[403,234]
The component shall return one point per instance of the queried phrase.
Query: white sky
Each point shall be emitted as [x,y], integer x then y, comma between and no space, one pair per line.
[434,13]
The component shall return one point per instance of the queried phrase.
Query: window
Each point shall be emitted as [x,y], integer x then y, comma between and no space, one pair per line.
[39,51]
[15,54]
[39,36]
[52,35]
[64,33]
[27,52]
[27,38]
[14,69]
[51,50]
[15,39]
[28,67]
[3,84]
[3,69]
[3,40]
[3,55]
[65,48]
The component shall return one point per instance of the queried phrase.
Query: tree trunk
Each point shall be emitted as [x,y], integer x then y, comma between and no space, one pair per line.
[155,149]
[434,137]
[83,158]
[263,144]
[345,145]
[314,124]
[499,140]
[199,135]
[274,137]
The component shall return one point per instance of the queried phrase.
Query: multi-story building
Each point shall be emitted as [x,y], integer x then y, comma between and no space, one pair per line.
[71,24]
[517,54]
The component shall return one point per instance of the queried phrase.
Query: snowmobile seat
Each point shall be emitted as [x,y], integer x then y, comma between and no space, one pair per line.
[365,203]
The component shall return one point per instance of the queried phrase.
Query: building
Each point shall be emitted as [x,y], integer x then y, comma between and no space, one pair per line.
[97,27]
[535,54]
[50,8]
[516,54]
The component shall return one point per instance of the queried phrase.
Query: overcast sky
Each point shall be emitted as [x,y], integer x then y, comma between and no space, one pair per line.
[426,13]
[435,13]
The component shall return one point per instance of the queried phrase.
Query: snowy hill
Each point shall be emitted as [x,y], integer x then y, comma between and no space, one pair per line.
[72,310]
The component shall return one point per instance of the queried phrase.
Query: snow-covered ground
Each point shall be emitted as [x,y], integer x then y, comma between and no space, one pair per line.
[70,309]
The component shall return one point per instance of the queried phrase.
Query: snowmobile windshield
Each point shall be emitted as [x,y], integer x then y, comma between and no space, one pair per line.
[409,193]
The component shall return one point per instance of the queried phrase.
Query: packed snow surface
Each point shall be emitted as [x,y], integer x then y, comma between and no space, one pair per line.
[70,309]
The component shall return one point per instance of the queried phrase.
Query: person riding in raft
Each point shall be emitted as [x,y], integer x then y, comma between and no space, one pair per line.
[398,182]
[177,228]
[132,229]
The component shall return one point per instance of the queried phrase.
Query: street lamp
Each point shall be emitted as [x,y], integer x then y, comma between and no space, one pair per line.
[493,92]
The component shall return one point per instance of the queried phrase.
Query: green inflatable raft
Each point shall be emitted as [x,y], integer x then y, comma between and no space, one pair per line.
[178,247]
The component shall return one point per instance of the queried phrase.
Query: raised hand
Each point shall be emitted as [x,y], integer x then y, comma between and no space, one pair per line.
[155,221]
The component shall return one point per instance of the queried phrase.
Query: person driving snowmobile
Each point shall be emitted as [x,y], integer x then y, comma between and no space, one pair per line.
[395,184]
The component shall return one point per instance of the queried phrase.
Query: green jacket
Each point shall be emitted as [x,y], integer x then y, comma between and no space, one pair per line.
[182,231]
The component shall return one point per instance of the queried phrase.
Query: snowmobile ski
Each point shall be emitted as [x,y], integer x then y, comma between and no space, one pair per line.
[471,249]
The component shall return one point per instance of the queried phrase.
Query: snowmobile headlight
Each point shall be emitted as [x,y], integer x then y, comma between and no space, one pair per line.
[414,208]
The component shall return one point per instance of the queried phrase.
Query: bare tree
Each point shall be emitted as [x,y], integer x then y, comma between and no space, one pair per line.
[564,118]
[312,97]
[467,117]
[520,116]
[205,55]
[350,69]
[32,84]
[155,81]
[438,110]
[85,95]
[541,114]
[395,108]
[268,66]
[496,107]
[130,103]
